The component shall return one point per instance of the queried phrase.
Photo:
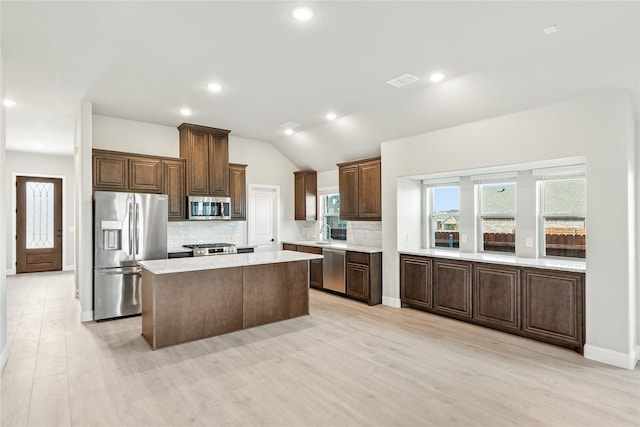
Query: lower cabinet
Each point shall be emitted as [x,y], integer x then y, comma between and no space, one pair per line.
[315,265]
[363,273]
[415,275]
[546,305]
[553,307]
[496,297]
[452,288]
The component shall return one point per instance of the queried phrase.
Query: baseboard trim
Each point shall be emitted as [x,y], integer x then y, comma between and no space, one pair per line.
[391,302]
[4,356]
[86,316]
[610,357]
[11,272]
[71,267]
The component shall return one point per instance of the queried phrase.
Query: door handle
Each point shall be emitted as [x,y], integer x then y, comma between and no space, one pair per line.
[130,229]
[137,228]
[273,240]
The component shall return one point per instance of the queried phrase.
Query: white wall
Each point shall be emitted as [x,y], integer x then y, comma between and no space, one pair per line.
[135,137]
[598,128]
[83,217]
[4,347]
[20,163]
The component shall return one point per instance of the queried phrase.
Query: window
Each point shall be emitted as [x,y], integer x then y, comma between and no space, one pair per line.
[497,220]
[332,227]
[562,216]
[444,216]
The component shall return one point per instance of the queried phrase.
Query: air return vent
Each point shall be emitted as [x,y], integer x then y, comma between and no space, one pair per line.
[403,80]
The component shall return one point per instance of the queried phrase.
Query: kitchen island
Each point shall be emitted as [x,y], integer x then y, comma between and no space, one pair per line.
[186,299]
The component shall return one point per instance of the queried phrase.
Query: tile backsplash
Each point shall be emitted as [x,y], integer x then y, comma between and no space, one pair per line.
[186,232]
[368,233]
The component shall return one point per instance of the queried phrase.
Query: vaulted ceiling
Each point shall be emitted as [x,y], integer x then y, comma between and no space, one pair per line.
[145,61]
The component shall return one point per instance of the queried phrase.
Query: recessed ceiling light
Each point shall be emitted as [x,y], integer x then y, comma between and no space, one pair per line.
[550,29]
[185,111]
[436,77]
[302,13]
[332,116]
[215,87]
[288,131]
[8,102]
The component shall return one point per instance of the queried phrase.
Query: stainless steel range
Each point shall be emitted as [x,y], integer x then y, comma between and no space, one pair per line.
[205,249]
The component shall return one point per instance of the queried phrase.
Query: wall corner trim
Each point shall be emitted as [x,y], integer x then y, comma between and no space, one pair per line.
[4,356]
[86,316]
[391,302]
[611,357]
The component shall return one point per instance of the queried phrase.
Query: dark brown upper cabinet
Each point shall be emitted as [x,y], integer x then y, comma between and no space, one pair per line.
[360,190]
[117,171]
[306,195]
[206,151]
[238,191]
[175,188]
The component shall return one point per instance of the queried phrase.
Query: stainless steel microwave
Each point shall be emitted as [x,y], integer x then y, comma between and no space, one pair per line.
[209,208]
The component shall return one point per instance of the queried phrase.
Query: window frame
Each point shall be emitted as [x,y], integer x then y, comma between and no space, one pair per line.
[542,215]
[480,216]
[430,225]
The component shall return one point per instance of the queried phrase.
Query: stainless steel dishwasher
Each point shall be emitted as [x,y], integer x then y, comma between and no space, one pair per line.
[333,270]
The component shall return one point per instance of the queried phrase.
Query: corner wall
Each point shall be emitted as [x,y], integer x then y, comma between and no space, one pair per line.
[599,128]
[4,346]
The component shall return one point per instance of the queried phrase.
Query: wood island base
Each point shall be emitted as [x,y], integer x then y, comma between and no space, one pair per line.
[191,305]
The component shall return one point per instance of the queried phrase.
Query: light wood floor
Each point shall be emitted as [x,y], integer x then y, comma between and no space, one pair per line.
[345,364]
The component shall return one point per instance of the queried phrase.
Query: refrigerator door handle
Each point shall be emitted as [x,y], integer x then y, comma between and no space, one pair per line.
[137,222]
[119,271]
[130,229]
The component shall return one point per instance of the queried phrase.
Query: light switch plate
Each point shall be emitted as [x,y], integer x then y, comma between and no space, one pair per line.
[529,242]
[409,237]
[463,238]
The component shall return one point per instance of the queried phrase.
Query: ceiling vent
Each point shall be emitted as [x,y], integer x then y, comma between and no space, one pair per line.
[290,125]
[403,80]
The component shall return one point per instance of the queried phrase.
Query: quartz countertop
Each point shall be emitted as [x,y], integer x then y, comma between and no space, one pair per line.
[545,263]
[180,265]
[336,245]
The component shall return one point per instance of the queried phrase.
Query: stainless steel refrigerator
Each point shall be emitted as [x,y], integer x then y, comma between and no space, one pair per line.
[129,227]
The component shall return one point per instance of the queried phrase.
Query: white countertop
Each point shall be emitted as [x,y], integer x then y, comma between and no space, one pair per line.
[335,245]
[546,263]
[180,265]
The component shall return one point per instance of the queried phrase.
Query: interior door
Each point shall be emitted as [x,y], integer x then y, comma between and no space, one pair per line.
[38,224]
[262,219]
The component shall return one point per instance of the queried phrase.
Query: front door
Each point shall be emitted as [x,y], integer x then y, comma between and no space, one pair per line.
[38,224]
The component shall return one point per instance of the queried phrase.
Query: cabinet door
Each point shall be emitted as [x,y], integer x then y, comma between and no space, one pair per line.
[174,188]
[369,203]
[238,191]
[358,281]
[315,273]
[348,188]
[219,165]
[496,297]
[553,306]
[145,175]
[415,281]
[197,163]
[300,196]
[110,172]
[452,289]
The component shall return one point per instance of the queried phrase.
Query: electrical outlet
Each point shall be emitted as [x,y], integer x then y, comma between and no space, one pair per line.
[529,242]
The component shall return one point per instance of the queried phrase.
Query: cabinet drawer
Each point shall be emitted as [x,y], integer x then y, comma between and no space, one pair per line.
[288,247]
[358,258]
[310,250]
